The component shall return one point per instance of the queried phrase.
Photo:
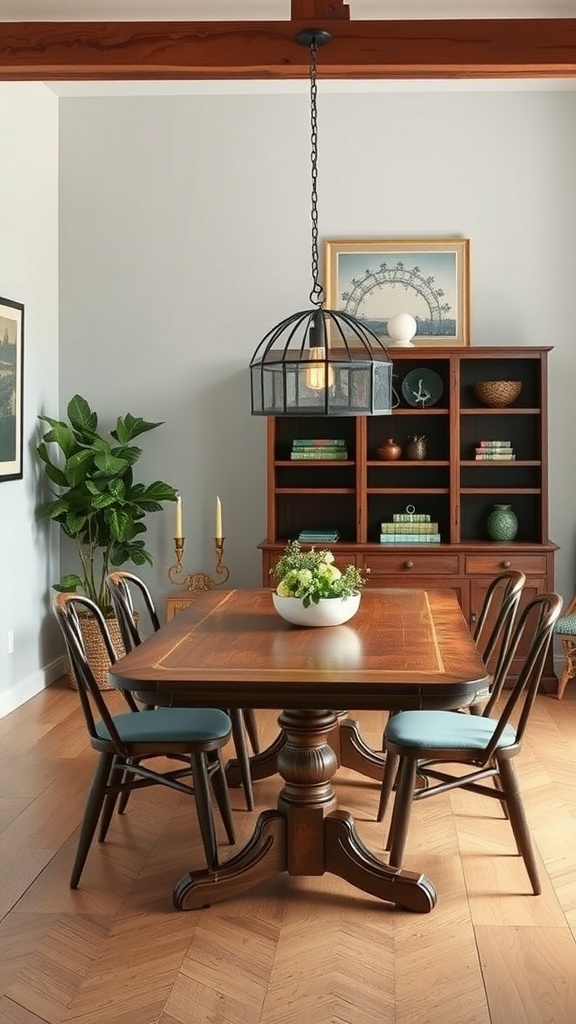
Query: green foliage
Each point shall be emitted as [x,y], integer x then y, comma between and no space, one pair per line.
[310,575]
[97,503]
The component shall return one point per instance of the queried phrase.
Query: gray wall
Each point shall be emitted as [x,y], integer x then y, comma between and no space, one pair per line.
[29,274]
[186,235]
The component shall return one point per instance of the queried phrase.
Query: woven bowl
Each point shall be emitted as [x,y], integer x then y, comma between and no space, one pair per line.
[497,393]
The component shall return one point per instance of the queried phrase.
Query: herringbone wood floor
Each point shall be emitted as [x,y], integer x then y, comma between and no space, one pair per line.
[293,950]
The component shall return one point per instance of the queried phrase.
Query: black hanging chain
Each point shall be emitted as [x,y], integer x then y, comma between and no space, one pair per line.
[317,293]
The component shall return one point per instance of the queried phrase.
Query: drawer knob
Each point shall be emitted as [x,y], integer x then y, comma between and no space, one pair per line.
[506,564]
[408,565]
[473,617]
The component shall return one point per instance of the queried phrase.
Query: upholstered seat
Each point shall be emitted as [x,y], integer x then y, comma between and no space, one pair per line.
[566,625]
[446,730]
[197,725]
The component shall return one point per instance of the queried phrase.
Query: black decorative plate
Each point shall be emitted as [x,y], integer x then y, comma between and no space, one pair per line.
[422,387]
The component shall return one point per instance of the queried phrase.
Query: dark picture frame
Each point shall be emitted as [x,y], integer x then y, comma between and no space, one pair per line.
[11,389]
[374,279]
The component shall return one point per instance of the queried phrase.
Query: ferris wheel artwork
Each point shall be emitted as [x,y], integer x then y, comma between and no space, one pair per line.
[375,280]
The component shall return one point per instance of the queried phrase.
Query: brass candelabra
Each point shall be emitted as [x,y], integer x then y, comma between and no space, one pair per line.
[198,580]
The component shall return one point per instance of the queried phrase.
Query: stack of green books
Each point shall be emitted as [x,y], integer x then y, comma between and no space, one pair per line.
[410,528]
[318,536]
[499,450]
[325,448]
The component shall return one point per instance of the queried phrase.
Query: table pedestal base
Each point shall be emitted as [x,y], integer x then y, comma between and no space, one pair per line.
[305,835]
[353,752]
[345,739]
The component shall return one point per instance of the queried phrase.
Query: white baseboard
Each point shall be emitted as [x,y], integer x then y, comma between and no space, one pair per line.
[27,688]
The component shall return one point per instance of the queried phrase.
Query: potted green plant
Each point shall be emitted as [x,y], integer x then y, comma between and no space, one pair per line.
[97,502]
[312,591]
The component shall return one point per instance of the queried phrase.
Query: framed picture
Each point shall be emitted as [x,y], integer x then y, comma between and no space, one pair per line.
[11,388]
[428,278]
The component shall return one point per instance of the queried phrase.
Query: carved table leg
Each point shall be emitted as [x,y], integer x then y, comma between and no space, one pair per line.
[353,752]
[569,671]
[263,857]
[305,836]
[348,857]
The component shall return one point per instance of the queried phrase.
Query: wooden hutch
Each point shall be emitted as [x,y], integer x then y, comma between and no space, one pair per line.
[354,496]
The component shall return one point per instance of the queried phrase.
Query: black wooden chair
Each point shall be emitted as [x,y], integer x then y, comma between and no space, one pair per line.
[122,586]
[491,635]
[486,743]
[191,737]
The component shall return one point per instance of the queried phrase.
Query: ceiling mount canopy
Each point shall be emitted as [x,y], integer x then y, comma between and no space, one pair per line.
[320,362]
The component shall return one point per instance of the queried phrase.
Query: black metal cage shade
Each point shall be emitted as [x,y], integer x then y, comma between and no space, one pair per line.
[321,362]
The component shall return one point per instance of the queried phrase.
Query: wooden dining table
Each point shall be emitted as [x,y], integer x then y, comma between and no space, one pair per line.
[403,649]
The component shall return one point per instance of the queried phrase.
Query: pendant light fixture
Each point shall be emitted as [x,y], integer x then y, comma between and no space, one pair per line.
[320,362]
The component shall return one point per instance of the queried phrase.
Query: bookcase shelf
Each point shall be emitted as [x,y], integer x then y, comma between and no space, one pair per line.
[355,495]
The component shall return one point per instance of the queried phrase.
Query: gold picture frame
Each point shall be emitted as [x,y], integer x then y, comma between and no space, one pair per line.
[374,279]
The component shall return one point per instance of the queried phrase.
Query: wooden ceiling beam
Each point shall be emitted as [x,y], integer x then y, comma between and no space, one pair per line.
[488,48]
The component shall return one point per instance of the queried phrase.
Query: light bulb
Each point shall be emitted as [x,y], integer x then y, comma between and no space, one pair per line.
[315,373]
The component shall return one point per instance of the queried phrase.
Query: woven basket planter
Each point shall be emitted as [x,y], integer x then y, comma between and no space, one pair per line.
[96,651]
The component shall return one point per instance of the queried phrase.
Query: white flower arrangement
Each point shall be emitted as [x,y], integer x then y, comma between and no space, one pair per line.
[311,575]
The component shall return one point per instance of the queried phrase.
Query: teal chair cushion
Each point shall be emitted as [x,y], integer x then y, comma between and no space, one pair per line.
[169,725]
[448,730]
[566,625]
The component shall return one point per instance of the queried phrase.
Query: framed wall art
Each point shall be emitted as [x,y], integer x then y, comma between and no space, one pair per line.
[374,280]
[11,388]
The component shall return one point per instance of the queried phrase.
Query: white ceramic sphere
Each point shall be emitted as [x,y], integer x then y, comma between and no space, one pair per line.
[330,611]
[401,328]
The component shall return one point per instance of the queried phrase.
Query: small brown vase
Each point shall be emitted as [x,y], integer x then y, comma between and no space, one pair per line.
[389,451]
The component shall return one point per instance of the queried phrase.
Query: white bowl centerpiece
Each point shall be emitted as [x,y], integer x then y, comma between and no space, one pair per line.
[312,590]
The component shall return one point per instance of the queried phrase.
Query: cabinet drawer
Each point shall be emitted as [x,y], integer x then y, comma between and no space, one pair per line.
[491,565]
[409,562]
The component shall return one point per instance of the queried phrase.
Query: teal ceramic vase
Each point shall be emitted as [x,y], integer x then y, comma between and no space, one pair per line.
[502,523]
